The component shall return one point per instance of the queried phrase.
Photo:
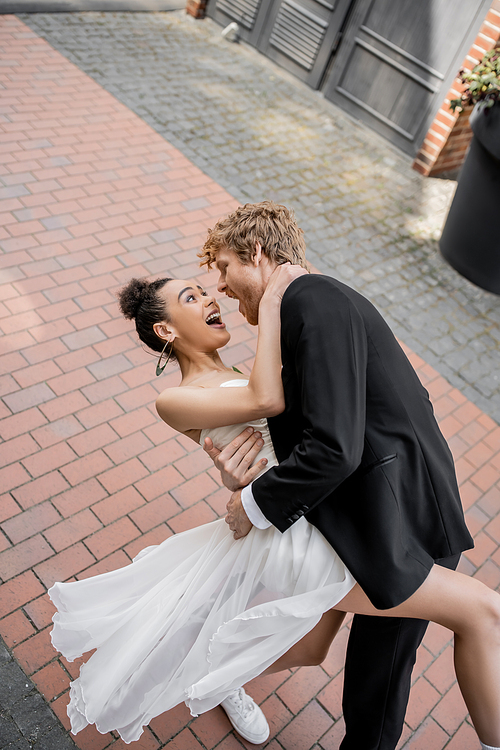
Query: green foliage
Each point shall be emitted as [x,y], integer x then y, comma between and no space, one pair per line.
[482,82]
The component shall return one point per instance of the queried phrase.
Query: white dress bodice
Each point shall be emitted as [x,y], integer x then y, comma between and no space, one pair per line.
[222,436]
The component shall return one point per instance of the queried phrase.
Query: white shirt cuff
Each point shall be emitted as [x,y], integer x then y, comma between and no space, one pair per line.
[254,513]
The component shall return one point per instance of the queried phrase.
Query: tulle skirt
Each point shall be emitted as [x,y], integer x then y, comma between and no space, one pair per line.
[191,620]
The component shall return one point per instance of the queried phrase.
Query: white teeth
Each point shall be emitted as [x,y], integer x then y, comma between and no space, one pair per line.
[212,316]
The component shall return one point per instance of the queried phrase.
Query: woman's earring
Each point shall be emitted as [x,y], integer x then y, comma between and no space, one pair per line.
[159,366]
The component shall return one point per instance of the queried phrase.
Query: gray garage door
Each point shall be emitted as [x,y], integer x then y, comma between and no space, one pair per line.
[387,62]
[300,35]
[397,61]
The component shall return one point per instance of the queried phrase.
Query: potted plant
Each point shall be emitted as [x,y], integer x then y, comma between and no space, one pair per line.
[470,241]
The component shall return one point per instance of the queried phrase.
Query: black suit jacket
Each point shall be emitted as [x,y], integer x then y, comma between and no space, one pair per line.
[360,452]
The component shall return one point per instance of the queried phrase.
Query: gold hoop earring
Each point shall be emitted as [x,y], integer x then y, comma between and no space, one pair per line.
[159,366]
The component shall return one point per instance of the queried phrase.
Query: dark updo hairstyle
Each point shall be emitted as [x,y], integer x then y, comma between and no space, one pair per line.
[140,301]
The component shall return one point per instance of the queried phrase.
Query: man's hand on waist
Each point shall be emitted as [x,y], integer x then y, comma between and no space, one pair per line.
[235,460]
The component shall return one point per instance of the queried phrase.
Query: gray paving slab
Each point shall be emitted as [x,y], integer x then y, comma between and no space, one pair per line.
[369,219]
[26,721]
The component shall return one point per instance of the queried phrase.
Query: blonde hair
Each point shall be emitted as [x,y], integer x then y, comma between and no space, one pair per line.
[268,223]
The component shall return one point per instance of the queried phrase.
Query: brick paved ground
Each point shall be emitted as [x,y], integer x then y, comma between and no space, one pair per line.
[369,218]
[92,196]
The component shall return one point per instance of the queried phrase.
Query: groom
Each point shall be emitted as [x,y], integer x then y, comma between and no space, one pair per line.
[361,456]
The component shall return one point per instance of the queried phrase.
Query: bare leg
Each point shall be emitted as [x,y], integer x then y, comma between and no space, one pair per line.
[472,611]
[313,648]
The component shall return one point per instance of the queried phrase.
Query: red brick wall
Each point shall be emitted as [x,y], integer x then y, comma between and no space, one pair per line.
[196,8]
[448,138]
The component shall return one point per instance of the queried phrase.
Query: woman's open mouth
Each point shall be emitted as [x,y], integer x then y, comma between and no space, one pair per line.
[214,319]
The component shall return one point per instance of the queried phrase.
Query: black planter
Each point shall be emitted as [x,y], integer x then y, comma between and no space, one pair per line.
[470,241]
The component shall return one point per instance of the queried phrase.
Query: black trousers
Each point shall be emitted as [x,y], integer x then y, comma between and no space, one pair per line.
[380,657]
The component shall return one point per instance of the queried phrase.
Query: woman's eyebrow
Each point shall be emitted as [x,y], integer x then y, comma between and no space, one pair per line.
[187,289]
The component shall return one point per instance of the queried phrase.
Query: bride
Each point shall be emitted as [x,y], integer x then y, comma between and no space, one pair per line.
[198,616]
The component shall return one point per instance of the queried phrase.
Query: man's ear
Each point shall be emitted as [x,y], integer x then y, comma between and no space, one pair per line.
[163,331]
[258,255]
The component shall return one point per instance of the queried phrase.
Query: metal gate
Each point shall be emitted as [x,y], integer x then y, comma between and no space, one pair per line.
[395,61]
[244,12]
[398,60]
[298,34]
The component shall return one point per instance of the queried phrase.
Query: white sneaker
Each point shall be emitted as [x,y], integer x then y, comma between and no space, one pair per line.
[246,717]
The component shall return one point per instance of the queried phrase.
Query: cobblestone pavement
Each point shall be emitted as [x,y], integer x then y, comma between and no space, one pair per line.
[26,721]
[369,218]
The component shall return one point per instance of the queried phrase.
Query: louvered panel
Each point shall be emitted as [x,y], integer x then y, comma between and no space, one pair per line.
[294,26]
[298,33]
[242,11]
[293,38]
[294,50]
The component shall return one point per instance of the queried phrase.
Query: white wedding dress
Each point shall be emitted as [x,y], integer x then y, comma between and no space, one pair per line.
[193,618]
